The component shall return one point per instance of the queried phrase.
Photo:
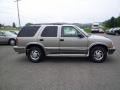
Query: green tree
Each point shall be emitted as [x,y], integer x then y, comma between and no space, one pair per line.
[14,25]
[118,21]
[0,25]
[112,22]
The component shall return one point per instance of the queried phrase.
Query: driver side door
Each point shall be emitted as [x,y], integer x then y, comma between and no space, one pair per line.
[71,42]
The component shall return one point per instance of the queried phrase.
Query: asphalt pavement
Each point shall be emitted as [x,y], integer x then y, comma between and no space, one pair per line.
[59,73]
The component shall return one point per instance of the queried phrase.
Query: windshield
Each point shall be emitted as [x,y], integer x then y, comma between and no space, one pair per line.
[9,33]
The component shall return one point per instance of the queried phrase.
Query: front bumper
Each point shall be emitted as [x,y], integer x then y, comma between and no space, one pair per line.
[111,50]
[19,49]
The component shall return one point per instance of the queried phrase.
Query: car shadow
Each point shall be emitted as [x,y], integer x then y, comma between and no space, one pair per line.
[57,59]
[49,59]
[66,59]
[4,45]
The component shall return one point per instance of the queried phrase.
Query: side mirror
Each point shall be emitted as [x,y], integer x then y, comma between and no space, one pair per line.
[80,35]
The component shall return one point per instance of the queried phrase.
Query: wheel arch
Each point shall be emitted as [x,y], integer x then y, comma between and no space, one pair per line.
[96,45]
[35,45]
[11,39]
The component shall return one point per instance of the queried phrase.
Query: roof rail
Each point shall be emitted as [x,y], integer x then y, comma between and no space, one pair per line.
[50,23]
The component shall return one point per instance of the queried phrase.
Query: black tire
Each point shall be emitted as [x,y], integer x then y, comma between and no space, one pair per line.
[33,52]
[116,33]
[12,42]
[92,32]
[98,54]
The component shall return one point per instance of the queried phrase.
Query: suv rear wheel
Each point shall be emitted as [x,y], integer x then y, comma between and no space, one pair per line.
[98,54]
[35,54]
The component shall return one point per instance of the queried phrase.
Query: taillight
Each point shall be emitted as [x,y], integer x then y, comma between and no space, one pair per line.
[16,41]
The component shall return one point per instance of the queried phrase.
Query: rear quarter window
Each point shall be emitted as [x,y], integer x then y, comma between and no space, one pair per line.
[28,31]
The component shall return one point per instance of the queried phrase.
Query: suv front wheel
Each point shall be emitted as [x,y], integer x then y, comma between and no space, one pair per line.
[98,54]
[35,54]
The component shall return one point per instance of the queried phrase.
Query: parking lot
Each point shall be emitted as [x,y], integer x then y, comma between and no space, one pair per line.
[59,73]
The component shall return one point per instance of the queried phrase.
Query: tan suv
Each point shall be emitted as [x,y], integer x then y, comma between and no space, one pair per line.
[42,40]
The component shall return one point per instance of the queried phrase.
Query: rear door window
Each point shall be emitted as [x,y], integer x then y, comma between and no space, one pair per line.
[50,31]
[28,31]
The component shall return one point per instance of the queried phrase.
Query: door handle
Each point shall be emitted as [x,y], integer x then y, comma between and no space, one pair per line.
[41,40]
[61,39]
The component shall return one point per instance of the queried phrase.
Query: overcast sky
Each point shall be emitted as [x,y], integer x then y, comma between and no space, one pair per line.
[44,11]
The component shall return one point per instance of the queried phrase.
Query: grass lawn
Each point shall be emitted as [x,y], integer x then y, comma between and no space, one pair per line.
[88,30]
[11,29]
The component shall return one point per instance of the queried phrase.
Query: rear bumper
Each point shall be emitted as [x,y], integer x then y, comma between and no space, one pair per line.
[111,50]
[19,49]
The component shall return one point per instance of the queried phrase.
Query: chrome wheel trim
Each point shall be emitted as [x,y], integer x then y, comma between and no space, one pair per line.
[98,55]
[35,55]
[12,42]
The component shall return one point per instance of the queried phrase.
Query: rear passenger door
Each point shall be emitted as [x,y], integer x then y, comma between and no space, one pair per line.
[50,39]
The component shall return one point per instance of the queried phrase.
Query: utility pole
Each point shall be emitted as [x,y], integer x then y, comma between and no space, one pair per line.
[18,12]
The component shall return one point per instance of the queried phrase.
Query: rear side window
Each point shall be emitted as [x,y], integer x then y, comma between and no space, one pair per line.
[28,31]
[50,31]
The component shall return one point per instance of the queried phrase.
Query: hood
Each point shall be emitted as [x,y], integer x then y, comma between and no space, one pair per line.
[99,38]
[96,39]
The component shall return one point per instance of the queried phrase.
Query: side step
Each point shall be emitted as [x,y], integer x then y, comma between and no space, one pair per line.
[68,55]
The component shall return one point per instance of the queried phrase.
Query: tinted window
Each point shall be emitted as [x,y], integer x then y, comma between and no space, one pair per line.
[68,31]
[50,31]
[28,31]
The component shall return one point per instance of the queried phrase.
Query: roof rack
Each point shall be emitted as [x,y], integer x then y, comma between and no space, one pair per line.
[51,24]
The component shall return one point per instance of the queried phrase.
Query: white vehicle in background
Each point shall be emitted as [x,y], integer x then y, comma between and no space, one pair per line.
[7,37]
[96,28]
[14,32]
